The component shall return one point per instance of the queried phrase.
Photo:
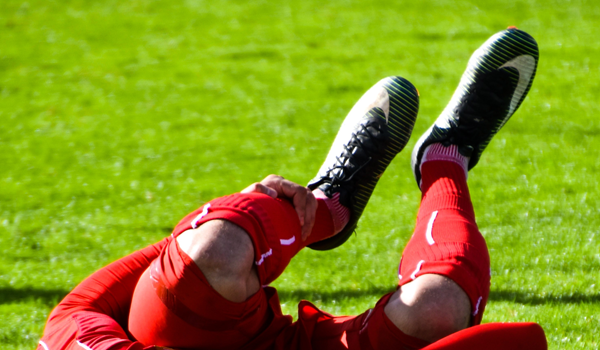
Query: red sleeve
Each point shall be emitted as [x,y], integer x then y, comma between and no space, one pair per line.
[97,310]
[100,332]
[109,290]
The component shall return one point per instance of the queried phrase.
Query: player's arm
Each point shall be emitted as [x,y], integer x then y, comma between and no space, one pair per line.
[92,314]
[100,332]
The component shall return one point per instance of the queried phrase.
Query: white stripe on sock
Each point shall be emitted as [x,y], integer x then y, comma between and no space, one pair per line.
[44,345]
[477,306]
[414,274]
[264,256]
[288,241]
[428,233]
[200,216]
[84,346]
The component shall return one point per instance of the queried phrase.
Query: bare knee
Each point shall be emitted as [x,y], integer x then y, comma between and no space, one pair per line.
[429,308]
[224,253]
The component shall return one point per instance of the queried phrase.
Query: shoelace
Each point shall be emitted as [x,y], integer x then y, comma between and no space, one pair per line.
[340,172]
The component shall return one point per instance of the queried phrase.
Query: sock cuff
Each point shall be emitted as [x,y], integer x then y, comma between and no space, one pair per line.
[444,187]
[339,213]
[439,152]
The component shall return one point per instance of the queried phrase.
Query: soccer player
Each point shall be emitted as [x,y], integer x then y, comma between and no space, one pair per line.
[205,287]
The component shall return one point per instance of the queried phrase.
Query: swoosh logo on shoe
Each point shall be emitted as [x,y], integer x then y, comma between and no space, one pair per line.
[377,96]
[525,65]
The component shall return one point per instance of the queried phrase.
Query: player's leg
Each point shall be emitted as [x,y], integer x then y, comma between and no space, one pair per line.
[431,303]
[444,272]
[228,249]
[246,240]
[376,129]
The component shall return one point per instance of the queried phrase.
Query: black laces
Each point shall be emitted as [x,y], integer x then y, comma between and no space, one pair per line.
[357,153]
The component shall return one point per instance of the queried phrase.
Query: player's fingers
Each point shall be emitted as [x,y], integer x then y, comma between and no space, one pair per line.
[302,198]
[291,190]
[298,195]
[310,215]
[258,187]
[273,181]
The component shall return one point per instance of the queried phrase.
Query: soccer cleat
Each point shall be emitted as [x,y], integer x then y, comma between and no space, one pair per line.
[376,129]
[498,77]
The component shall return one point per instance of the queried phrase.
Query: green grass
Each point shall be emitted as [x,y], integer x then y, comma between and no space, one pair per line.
[119,117]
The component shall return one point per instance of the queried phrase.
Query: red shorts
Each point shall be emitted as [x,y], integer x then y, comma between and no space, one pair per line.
[372,330]
[196,316]
[174,305]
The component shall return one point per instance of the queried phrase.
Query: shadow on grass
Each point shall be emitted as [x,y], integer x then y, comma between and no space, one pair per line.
[51,297]
[48,297]
[325,296]
[378,291]
[533,299]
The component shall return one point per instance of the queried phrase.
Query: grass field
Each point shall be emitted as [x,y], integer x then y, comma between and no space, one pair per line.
[119,117]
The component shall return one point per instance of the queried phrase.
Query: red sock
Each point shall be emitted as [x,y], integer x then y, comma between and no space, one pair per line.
[339,213]
[444,186]
[437,151]
[495,336]
[324,223]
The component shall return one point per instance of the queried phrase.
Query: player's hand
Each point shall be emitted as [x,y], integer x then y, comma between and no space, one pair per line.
[303,199]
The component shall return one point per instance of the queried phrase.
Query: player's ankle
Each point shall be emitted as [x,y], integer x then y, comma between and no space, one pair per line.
[439,152]
[339,213]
